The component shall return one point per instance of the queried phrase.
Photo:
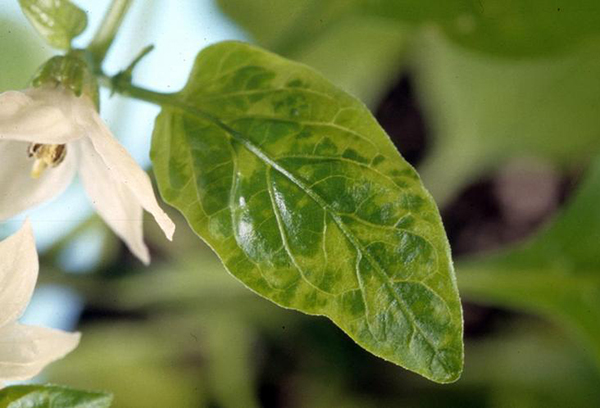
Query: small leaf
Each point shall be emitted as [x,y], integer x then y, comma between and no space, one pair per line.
[58,21]
[556,274]
[51,396]
[305,200]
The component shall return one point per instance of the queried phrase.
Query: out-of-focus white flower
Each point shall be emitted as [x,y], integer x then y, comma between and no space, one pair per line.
[47,134]
[24,350]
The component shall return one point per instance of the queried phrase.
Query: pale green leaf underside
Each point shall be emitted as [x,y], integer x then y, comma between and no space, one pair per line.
[58,21]
[557,274]
[51,396]
[305,200]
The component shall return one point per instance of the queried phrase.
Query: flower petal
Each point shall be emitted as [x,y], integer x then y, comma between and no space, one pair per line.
[39,115]
[19,190]
[18,274]
[26,350]
[122,166]
[113,200]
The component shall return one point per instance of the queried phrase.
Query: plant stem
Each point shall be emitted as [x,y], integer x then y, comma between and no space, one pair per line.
[108,29]
[135,92]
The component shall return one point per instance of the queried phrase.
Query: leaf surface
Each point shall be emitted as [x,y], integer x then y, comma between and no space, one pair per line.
[305,200]
[51,396]
[58,21]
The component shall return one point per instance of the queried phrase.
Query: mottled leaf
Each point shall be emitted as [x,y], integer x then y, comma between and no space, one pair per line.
[556,274]
[306,201]
[58,21]
[51,396]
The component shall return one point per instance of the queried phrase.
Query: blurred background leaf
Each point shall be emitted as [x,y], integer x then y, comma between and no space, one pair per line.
[527,28]
[556,274]
[484,110]
[22,53]
[510,28]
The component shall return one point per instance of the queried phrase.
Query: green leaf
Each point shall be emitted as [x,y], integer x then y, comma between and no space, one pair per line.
[51,396]
[305,200]
[556,274]
[58,21]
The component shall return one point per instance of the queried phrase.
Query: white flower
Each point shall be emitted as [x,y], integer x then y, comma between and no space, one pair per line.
[47,134]
[24,350]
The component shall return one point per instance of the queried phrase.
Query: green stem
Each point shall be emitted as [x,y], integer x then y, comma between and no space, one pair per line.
[135,92]
[108,30]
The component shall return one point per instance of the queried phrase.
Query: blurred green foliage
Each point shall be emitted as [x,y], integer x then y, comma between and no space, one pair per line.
[485,110]
[556,274]
[510,28]
[22,53]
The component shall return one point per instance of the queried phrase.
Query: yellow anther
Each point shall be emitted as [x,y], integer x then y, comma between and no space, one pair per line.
[45,156]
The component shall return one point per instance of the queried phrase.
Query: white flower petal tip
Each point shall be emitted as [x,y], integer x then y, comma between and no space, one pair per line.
[24,350]
[63,343]
[141,252]
[27,350]
[24,236]
[18,273]
[167,225]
